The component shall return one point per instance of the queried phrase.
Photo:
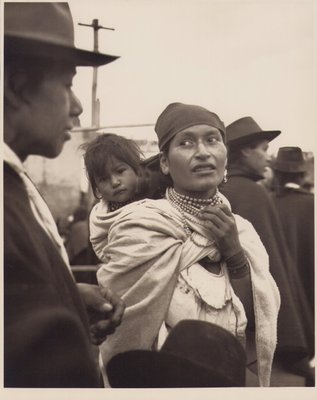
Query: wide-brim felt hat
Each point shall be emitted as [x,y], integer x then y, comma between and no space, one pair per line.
[45,30]
[195,354]
[289,159]
[245,130]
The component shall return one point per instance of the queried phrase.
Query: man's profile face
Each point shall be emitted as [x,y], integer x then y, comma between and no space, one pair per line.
[50,111]
[257,157]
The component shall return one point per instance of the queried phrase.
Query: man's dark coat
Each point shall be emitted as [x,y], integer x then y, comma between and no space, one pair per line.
[251,201]
[296,211]
[46,341]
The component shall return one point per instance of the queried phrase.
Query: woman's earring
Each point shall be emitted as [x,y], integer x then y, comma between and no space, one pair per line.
[225,179]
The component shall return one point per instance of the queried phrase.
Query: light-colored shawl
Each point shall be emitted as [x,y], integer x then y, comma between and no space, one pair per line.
[143,247]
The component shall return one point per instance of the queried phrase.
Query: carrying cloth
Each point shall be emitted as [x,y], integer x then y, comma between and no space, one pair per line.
[144,247]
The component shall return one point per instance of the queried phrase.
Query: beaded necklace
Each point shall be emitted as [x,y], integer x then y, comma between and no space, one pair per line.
[192,206]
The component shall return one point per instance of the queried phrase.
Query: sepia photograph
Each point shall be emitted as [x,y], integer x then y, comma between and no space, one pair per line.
[158,199]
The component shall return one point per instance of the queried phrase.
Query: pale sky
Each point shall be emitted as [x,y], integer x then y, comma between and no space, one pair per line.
[236,58]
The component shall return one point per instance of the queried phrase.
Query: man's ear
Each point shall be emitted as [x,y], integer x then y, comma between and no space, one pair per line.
[164,163]
[15,89]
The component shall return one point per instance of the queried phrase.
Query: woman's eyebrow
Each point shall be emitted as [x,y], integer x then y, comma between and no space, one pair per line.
[212,132]
[186,133]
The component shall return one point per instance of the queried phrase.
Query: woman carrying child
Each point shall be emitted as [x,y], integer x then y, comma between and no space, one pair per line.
[187,256]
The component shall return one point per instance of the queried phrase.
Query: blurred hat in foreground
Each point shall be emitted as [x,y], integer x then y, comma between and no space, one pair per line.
[289,159]
[45,30]
[245,130]
[195,354]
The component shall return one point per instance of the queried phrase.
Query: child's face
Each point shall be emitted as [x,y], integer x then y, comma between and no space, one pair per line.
[119,184]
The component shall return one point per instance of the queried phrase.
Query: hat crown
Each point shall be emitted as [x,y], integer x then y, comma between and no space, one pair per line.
[194,354]
[44,22]
[202,342]
[245,126]
[45,30]
[245,130]
[290,154]
[289,159]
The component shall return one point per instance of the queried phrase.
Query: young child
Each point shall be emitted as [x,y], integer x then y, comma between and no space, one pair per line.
[113,165]
[118,175]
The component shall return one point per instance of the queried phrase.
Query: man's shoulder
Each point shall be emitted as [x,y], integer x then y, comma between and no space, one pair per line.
[240,186]
[10,178]
[14,193]
[235,180]
[299,194]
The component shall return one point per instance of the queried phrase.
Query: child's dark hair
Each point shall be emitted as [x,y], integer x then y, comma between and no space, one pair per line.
[100,150]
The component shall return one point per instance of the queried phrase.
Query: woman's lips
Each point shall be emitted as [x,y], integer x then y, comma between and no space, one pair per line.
[204,168]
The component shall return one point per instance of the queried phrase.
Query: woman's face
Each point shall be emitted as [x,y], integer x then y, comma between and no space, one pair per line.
[196,161]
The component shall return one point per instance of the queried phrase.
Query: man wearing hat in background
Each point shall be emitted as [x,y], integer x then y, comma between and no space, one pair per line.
[47,336]
[295,206]
[247,160]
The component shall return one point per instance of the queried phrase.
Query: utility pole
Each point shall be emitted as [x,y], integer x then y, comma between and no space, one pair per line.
[95,105]
[87,197]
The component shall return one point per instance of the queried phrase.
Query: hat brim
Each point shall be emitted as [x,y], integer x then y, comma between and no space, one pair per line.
[252,137]
[152,162]
[288,167]
[158,369]
[35,48]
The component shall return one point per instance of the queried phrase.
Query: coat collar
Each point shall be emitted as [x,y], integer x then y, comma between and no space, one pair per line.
[241,170]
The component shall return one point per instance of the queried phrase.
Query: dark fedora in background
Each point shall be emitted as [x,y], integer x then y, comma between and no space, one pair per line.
[45,30]
[245,130]
[195,354]
[289,159]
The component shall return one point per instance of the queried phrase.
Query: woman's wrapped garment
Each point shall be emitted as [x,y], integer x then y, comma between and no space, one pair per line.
[144,247]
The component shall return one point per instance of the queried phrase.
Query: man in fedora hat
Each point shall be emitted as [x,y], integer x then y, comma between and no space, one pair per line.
[295,206]
[247,159]
[47,332]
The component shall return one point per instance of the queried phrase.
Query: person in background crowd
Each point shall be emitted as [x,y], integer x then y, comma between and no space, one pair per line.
[187,256]
[247,159]
[156,181]
[47,331]
[268,181]
[295,206]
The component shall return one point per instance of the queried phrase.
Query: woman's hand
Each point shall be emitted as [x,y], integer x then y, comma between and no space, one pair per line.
[105,310]
[224,229]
